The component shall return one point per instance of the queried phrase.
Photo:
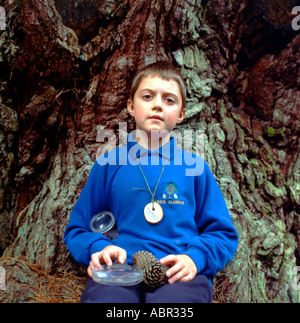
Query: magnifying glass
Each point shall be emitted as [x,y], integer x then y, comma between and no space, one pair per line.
[105,223]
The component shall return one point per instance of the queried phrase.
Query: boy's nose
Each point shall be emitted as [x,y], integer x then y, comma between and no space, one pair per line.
[157,104]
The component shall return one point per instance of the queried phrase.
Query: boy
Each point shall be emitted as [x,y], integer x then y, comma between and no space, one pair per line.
[182,220]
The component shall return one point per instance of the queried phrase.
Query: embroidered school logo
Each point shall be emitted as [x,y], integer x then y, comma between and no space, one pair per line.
[170,191]
[171,194]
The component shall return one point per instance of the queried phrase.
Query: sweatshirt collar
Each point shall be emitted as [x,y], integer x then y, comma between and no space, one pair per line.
[136,151]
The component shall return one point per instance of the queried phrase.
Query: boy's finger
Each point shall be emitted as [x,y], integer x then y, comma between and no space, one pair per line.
[90,271]
[122,257]
[174,270]
[106,258]
[170,259]
[187,278]
[96,259]
[177,276]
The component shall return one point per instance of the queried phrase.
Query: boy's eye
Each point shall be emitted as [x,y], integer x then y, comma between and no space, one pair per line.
[147,97]
[170,100]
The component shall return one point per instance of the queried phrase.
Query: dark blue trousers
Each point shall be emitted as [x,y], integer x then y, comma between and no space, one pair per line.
[195,291]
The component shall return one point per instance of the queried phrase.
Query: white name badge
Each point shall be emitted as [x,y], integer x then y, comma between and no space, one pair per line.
[155,215]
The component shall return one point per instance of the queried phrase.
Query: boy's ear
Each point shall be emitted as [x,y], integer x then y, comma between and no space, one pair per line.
[130,107]
[181,115]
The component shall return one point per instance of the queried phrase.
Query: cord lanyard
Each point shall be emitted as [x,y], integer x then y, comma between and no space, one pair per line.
[153,212]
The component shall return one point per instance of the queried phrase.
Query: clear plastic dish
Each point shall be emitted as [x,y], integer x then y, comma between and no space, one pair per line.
[118,275]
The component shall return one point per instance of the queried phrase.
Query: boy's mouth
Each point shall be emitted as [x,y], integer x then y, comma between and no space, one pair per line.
[156,117]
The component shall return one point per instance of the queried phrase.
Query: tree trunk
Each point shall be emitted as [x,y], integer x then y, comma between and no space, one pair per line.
[66,70]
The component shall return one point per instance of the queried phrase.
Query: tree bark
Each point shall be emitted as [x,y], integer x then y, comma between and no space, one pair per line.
[66,70]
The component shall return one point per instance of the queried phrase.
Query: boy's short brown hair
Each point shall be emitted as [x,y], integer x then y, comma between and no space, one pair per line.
[166,71]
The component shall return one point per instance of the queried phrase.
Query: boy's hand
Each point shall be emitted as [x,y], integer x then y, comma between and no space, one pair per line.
[183,268]
[107,255]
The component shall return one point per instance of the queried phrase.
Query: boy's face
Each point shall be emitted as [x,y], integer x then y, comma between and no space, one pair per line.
[157,105]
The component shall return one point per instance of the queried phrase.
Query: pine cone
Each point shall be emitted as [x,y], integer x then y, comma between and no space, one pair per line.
[155,275]
[143,258]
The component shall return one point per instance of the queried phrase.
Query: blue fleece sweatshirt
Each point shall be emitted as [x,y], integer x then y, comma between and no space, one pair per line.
[196,221]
